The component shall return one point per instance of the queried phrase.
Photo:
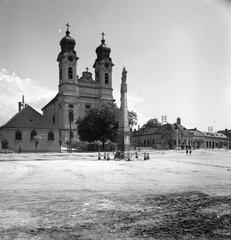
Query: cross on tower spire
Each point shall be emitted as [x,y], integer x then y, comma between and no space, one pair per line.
[68,30]
[68,25]
[103,40]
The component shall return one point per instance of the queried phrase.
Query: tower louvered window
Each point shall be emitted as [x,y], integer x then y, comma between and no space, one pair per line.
[106,78]
[70,73]
[71,116]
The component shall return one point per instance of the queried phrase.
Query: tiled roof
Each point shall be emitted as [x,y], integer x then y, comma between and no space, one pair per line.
[29,118]
[145,131]
[171,128]
[211,134]
[197,133]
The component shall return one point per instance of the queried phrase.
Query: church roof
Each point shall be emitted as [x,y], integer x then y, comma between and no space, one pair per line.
[103,52]
[86,77]
[67,43]
[29,118]
[52,101]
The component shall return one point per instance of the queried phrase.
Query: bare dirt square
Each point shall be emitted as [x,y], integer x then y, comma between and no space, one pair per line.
[77,196]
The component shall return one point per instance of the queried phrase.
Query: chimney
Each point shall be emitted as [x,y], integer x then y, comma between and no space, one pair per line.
[178,121]
[23,103]
[19,106]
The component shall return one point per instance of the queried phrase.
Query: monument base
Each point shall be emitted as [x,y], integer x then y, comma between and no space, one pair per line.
[124,141]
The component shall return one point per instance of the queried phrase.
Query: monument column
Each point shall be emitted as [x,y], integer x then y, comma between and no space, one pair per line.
[123,130]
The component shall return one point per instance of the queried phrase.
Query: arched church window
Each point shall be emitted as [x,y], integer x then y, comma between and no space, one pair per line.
[18,135]
[70,73]
[106,78]
[71,116]
[32,134]
[50,135]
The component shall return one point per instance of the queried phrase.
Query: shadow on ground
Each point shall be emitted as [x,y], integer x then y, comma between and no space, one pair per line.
[191,215]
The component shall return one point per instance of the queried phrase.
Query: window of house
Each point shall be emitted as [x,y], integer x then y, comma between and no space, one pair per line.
[144,142]
[32,134]
[147,142]
[72,134]
[70,73]
[18,135]
[71,106]
[88,106]
[4,144]
[53,119]
[50,135]
[71,116]
[153,141]
[106,78]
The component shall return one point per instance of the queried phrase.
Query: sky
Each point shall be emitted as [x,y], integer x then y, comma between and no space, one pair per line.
[177,54]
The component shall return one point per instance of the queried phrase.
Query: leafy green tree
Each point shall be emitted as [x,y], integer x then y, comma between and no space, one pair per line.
[152,123]
[132,119]
[101,123]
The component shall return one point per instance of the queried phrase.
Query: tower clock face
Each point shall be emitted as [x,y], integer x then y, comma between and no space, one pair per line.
[106,65]
[70,58]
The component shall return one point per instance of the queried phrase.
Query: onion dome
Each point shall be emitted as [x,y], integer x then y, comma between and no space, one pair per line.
[103,51]
[67,43]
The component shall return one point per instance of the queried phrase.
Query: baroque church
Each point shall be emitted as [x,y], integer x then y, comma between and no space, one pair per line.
[77,95]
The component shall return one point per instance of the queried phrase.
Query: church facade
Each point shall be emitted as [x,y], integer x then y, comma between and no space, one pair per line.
[77,95]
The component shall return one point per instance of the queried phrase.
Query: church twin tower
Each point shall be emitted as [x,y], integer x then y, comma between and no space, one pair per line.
[77,95]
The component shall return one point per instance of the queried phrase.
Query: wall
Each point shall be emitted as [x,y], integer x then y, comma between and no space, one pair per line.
[28,145]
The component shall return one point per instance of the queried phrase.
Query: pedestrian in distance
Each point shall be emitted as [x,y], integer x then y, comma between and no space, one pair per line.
[19,150]
[190,150]
[186,150]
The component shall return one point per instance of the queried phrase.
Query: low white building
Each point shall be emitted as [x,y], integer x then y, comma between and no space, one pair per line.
[29,131]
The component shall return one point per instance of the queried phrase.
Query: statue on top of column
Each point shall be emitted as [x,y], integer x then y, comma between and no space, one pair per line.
[124,84]
[124,75]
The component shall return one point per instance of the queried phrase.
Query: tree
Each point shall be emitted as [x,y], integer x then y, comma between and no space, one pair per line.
[100,123]
[132,119]
[152,123]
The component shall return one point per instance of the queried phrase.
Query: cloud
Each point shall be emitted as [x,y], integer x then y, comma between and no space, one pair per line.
[13,88]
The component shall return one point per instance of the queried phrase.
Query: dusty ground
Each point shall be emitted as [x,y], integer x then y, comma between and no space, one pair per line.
[76,196]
